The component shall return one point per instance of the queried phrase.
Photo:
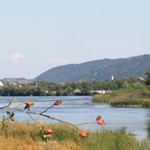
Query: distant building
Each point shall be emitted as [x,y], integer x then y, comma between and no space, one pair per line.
[100,91]
[112,77]
[141,78]
[1,84]
[15,81]
[77,91]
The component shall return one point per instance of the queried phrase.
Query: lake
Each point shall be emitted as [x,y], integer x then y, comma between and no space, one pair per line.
[80,109]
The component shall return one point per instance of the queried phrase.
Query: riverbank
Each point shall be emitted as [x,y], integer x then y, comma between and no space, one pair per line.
[30,136]
[124,99]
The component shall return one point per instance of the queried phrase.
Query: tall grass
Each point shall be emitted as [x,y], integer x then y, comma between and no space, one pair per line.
[29,136]
[124,99]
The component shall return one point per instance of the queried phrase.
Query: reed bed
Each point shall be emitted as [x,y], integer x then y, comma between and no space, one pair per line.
[29,136]
[123,99]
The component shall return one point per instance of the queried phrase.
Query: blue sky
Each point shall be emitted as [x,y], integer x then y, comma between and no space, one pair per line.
[36,35]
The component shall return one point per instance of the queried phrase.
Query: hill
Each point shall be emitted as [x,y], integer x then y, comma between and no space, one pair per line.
[98,70]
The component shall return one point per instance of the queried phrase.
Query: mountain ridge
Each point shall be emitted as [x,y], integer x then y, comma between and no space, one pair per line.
[98,70]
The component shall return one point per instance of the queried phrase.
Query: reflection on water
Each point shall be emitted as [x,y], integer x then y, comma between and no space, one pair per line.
[80,109]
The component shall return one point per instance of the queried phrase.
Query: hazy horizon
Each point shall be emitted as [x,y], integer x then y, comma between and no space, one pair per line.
[74,64]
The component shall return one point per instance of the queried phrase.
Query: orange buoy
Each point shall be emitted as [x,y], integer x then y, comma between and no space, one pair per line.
[58,102]
[83,134]
[49,131]
[101,122]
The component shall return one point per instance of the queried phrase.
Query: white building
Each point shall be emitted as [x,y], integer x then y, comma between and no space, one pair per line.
[1,84]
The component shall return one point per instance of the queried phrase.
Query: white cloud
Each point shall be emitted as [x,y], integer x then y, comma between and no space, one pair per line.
[17,57]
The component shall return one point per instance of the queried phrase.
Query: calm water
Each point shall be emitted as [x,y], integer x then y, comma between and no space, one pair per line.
[80,109]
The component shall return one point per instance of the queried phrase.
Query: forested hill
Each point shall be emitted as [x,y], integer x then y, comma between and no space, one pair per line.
[98,70]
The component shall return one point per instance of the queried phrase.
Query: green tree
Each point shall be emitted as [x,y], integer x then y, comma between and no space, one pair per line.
[147,81]
[60,91]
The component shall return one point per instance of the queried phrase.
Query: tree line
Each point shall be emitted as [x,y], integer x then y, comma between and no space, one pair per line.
[78,88]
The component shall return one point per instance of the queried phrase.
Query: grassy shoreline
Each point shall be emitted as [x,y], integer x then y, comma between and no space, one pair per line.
[30,136]
[123,99]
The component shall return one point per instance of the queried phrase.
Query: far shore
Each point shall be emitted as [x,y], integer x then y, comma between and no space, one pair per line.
[123,99]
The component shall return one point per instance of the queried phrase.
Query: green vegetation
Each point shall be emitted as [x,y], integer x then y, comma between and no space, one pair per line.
[79,88]
[124,99]
[147,82]
[30,136]
[132,94]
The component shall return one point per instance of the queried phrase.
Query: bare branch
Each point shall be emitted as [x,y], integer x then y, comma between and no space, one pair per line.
[29,112]
[32,118]
[86,123]
[18,105]
[6,106]
[47,109]
[39,114]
